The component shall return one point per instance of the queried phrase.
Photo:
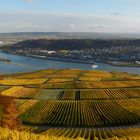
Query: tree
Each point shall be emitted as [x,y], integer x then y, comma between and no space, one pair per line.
[10,113]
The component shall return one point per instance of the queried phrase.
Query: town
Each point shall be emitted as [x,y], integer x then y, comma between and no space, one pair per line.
[124,54]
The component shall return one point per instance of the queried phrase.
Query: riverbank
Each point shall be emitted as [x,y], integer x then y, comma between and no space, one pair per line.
[27,64]
[123,64]
[52,58]
[62,59]
[116,64]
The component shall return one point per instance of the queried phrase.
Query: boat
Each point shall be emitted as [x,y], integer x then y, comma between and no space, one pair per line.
[94,66]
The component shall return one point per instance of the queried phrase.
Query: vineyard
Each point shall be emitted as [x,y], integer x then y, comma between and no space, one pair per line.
[73,134]
[75,104]
[20,92]
[81,113]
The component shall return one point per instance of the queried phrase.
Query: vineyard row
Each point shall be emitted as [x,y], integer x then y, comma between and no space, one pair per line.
[81,113]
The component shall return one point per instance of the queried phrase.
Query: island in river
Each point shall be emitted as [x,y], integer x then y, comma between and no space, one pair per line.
[5,60]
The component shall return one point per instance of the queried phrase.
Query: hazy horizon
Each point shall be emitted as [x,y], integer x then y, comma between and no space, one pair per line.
[95,16]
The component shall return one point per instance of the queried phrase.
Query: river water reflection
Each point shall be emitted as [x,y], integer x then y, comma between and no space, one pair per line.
[25,64]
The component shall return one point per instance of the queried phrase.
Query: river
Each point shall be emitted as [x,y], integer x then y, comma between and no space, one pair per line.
[26,64]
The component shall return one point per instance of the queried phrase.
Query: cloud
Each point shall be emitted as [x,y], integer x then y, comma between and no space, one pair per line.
[66,22]
[29,1]
[25,26]
[116,14]
[72,25]
[31,26]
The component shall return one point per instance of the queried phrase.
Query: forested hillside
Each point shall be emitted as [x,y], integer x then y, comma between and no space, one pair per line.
[71,44]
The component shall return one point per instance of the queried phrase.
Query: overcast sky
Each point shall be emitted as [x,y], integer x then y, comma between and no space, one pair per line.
[120,16]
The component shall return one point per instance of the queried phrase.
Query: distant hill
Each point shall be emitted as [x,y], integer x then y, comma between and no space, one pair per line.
[72,44]
[67,35]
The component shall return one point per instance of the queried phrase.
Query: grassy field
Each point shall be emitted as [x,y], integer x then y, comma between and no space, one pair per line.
[74,104]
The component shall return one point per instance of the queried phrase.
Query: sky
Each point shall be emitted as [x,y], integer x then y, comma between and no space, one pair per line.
[110,16]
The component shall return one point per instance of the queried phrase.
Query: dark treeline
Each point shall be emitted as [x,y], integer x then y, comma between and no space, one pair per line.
[72,44]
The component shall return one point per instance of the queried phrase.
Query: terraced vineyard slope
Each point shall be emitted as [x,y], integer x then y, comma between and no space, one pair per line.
[75,104]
